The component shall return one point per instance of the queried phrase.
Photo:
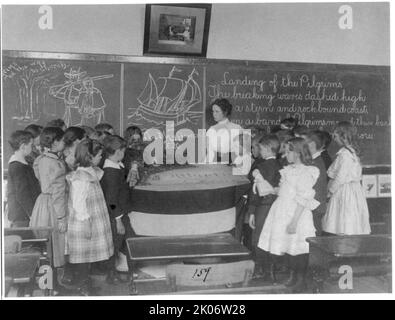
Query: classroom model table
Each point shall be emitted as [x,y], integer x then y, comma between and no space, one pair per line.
[367,255]
[20,269]
[191,200]
[181,248]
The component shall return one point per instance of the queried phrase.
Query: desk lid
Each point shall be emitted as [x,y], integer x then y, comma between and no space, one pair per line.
[354,246]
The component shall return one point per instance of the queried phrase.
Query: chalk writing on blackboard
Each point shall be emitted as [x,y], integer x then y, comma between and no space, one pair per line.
[168,98]
[316,100]
[79,92]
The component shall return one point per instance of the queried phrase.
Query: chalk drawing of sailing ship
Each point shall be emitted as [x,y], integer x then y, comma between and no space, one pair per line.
[168,99]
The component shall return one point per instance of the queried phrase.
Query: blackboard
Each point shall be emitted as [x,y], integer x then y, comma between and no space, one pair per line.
[319,96]
[39,90]
[148,91]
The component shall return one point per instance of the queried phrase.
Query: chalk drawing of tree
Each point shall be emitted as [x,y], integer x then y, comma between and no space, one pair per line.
[31,83]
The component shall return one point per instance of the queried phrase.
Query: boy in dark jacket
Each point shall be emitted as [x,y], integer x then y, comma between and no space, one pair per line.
[117,194]
[283,136]
[259,206]
[23,186]
[326,141]
[246,229]
[314,139]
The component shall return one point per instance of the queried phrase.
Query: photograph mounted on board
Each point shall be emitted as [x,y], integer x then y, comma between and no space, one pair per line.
[369,183]
[177,29]
[384,185]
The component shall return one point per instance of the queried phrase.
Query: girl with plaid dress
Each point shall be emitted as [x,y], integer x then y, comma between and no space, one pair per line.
[89,229]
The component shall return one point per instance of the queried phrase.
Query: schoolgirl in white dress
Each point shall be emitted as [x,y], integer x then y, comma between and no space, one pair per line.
[290,219]
[347,212]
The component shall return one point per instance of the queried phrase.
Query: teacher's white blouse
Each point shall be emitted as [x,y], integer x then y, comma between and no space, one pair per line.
[220,137]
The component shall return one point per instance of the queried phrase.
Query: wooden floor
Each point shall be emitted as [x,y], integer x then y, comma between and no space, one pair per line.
[160,287]
[256,286]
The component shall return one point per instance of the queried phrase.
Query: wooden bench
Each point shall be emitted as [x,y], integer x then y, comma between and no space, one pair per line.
[20,270]
[34,238]
[37,240]
[12,244]
[364,255]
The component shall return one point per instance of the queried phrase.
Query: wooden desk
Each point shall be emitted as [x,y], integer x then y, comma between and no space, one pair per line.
[367,255]
[31,236]
[181,248]
[21,269]
[7,285]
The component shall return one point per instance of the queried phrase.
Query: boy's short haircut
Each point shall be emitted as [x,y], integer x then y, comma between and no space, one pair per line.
[289,123]
[326,138]
[284,135]
[257,138]
[301,130]
[34,129]
[49,135]
[256,130]
[88,130]
[271,141]
[317,137]
[275,129]
[102,135]
[72,134]
[104,127]
[112,144]
[18,138]
[56,123]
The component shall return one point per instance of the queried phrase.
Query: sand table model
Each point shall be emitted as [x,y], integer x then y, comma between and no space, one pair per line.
[190,177]
[186,200]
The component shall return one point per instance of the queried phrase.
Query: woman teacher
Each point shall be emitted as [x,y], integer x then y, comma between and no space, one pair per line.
[221,135]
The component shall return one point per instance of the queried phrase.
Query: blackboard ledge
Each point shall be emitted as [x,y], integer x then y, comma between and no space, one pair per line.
[288,65]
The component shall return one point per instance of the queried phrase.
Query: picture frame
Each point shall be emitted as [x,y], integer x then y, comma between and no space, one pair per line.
[369,183]
[177,29]
[384,185]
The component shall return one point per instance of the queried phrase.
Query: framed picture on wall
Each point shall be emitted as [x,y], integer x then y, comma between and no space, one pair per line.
[176,29]
[384,185]
[369,183]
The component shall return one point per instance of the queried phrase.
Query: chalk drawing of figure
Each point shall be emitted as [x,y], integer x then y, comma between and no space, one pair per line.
[92,104]
[69,92]
[79,92]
